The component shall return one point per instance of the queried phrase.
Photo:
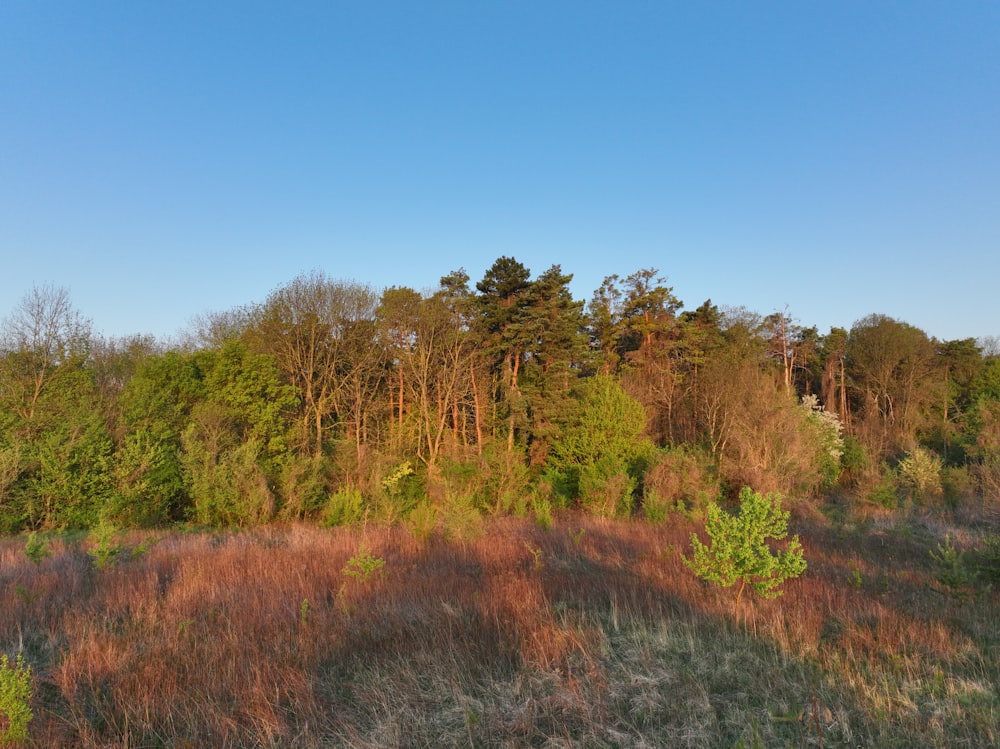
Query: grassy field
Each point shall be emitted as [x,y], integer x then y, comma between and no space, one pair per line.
[589,633]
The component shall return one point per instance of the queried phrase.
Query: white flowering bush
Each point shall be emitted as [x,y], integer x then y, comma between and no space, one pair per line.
[828,432]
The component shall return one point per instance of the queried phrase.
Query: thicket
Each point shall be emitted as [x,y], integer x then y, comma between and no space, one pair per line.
[331,402]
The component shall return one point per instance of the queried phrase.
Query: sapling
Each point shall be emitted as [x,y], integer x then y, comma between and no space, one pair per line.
[739,552]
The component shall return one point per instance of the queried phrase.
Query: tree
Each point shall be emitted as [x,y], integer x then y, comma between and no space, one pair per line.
[56,450]
[501,297]
[597,453]
[437,366]
[833,384]
[38,341]
[739,552]
[552,326]
[889,364]
[648,310]
[396,314]
[310,326]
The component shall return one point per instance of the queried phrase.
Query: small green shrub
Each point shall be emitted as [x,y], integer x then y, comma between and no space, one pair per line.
[955,484]
[345,506]
[422,520]
[885,491]
[36,548]
[738,550]
[543,512]
[951,568]
[605,493]
[854,460]
[363,566]
[988,560]
[15,699]
[107,548]
[920,474]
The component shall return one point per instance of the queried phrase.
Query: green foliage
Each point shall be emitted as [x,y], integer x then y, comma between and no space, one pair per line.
[305,486]
[363,566]
[955,484]
[107,548]
[346,506]
[854,460]
[66,465]
[147,481]
[505,478]
[738,550]
[36,548]
[598,454]
[988,561]
[920,474]
[400,490]
[885,491]
[951,569]
[16,687]
[542,510]
[228,484]
[827,429]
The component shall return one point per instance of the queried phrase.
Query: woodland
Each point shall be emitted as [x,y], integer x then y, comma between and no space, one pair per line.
[334,403]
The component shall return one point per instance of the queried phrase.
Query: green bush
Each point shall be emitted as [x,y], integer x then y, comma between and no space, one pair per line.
[15,699]
[955,484]
[920,474]
[598,457]
[885,492]
[36,548]
[345,506]
[228,486]
[988,561]
[738,550]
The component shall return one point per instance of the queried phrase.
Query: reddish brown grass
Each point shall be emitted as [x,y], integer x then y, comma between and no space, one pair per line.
[591,633]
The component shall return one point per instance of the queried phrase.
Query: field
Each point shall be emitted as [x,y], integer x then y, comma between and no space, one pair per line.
[587,633]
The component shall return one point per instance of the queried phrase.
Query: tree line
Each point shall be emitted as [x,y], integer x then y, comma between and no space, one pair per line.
[332,401]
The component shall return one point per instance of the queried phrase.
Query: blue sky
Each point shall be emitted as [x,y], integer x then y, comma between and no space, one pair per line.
[166,159]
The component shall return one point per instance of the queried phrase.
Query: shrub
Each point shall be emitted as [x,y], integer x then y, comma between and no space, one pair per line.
[228,486]
[885,491]
[597,457]
[15,699]
[827,429]
[36,548]
[988,561]
[951,568]
[505,478]
[920,474]
[955,484]
[739,550]
[678,478]
[107,548]
[364,565]
[345,506]
[305,483]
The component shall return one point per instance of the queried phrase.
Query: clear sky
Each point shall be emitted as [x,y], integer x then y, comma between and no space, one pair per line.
[165,159]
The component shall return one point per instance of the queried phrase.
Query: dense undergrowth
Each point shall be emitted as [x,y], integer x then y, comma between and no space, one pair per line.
[589,632]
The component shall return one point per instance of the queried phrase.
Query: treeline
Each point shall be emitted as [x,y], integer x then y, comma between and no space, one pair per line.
[335,402]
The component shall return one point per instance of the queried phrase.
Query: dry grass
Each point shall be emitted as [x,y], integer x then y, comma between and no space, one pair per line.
[590,634]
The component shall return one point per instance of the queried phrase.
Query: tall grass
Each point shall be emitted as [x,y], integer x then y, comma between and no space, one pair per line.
[589,633]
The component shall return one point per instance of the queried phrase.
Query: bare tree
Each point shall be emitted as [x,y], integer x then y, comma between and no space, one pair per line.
[312,327]
[43,333]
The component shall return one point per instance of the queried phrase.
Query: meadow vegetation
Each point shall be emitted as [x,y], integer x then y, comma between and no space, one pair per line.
[591,632]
